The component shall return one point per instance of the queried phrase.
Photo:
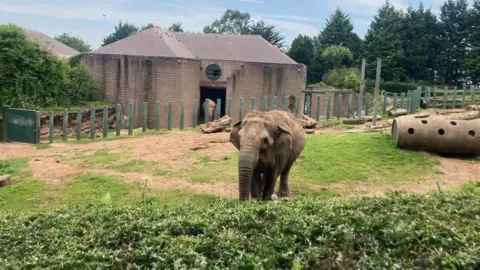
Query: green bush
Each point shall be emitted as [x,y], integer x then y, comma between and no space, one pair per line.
[341,78]
[32,77]
[400,231]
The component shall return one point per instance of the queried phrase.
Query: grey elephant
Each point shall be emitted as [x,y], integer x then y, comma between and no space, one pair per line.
[269,143]
[211,109]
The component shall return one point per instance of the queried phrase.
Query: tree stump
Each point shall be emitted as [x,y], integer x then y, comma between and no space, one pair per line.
[307,122]
[219,125]
[5,180]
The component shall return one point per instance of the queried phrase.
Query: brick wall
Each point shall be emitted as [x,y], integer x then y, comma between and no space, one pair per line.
[334,99]
[133,79]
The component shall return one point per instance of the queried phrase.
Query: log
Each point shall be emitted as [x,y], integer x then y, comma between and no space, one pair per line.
[219,125]
[464,116]
[446,112]
[437,135]
[5,180]
[397,112]
[309,131]
[307,122]
[370,118]
[473,108]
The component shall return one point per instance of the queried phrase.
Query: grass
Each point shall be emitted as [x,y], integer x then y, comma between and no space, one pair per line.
[100,158]
[329,158]
[136,165]
[88,105]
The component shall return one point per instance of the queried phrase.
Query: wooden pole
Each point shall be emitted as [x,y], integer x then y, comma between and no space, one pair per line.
[130,118]
[377,89]
[79,124]
[50,129]
[362,89]
[65,124]
[105,121]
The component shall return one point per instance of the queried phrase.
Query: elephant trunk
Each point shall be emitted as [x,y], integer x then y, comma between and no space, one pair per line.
[247,161]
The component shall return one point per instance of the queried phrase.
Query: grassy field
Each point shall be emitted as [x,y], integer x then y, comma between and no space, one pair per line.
[356,160]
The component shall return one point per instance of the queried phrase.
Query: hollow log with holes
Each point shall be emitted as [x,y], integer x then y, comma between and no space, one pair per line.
[437,135]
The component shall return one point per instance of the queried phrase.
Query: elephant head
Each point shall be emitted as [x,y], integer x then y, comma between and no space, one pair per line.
[259,139]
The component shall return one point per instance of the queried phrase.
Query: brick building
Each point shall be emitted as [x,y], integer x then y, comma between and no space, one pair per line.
[157,65]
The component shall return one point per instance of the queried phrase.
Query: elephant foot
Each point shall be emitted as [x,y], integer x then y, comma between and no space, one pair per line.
[283,192]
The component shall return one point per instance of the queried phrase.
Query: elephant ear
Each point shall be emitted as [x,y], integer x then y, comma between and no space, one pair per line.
[234,138]
[283,139]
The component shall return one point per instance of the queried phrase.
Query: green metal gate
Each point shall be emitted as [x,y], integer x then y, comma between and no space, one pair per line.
[21,125]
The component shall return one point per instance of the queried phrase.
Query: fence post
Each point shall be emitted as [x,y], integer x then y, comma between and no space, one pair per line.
[328,107]
[92,123]
[463,95]
[445,93]
[65,124]
[454,105]
[409,109]
[318,108]
[119,119]
[105,121]
[265,104]
[339,103]
[182,114]
[218,109]
[240,110]
[144,116]
[157,115]
[130,118]
[384,111]
[4,123]
[434,102]
[37,127]
[195,106]
[402,100]
[349,109]
[229,107]
[472,94]
[169,127]
[395,96]
[252,104]
[285,103]
[419,97]
[50,129]
[275,103]
[367,103]
[308,106]
[206,111]
[79,124]
[297,106]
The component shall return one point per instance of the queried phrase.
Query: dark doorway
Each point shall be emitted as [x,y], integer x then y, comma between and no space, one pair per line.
[213,94]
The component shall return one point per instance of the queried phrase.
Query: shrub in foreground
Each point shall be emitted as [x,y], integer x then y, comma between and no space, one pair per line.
[401,231]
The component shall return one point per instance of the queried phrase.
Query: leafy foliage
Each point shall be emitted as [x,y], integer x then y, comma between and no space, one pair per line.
[302,52]
[176,27]
[32,77]
[74,42]
[338,78]
[122,30]
[405,231]
[236,22]
[337,56]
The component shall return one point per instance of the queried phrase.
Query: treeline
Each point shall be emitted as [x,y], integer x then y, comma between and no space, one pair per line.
[415,46]
[32,77]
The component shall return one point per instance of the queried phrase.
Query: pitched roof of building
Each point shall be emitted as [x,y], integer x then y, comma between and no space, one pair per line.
[51,44]
[161,43]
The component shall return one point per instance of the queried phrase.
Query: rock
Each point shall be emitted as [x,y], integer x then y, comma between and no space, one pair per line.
[5,180]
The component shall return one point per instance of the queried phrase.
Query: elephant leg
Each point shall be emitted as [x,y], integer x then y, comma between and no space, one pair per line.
[284,190]
[255,185]
[269,181]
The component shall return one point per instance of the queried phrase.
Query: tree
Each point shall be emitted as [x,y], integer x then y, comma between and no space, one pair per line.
[473,62]
[454,25]
[176,27]
[384,40]
[122,30]
[337,56]
[302,52]
[420,44]
[267,31]
[232,22]
[74,42]
[338,31]
[145,27]
[236,22]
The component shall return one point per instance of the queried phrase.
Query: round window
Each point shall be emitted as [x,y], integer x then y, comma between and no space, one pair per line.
[213,72]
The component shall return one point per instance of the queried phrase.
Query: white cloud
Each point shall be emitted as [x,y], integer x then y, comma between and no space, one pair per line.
[287,17]
[363,7]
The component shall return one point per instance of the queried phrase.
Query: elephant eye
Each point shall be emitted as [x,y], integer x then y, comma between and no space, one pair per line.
[265,140]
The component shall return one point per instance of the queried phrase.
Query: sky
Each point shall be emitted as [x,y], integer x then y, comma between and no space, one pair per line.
[92,20]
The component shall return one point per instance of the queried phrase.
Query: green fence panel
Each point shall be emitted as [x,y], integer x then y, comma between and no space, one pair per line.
[50,126]
[339,105]
[329,100]
[79,124]
[169,125]
[402,100]
[297,106]
[65,124]
[318,108]
[195,111]
[349,108]
[144,116]
[285,103]
[265,104]
[367,103]
[434,102]
[464,93]
[229,107]
[182,115]
[395,96]
[157,115]
[252,104]
[206,111]
[218,109]
[454,102]
[384,108]
[92,123]
[105,121]
[240,110]
[4,123]
[130,118]
[275,103]
[119,119]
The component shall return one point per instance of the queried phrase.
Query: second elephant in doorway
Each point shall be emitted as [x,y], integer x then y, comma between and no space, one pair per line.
[211,109]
